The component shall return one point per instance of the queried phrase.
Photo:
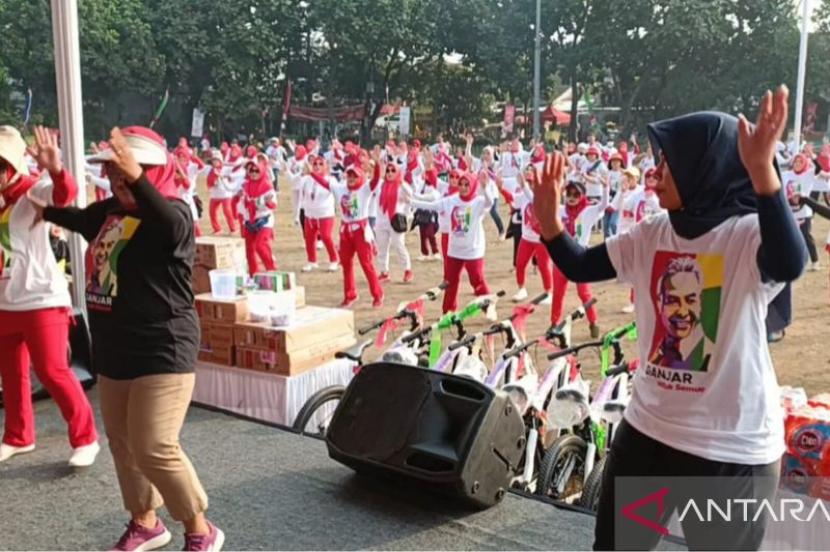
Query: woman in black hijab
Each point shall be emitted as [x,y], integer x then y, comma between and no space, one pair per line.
[705,399]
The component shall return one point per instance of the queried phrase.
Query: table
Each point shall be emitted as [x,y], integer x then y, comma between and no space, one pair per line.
[263,396]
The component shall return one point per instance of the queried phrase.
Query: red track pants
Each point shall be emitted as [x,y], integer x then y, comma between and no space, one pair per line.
[353,241]
[445,246]
[225,204]
[39,338]
[475,271]
[560,287]
[322,229]
[258,244]
[528,250]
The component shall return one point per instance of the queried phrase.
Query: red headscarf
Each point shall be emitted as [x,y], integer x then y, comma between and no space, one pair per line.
[162,177]
[224,148]
[361,178]
[250,152]
[453,189]
[411,164]
[473,191]
[823,158]
[573,211]
[255,188]
[21,184]
[389,193]
[236,153]
[538,155]
[300,152]
[805,165]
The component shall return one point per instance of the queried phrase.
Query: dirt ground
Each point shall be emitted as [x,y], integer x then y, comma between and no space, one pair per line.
[802,359]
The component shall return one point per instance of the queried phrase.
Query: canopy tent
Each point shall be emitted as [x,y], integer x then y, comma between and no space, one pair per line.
[553,114]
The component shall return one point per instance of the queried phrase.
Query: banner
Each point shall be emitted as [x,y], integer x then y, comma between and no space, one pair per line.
[509,118]
[403,120]
[197,128]
[344,114]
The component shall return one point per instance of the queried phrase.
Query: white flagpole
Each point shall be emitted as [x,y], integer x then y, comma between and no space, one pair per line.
[802,69]
[70,111]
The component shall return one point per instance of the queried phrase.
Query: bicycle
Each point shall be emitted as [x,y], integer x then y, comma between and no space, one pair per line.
[571,457]
[318,409]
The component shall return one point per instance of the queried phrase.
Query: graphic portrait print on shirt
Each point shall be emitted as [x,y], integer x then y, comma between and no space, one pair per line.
[102,260]
[686,294]
[5,243]
[462,219]
[349,205]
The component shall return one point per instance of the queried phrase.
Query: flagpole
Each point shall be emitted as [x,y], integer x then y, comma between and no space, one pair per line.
[70,113]
[537,54]
[802,69]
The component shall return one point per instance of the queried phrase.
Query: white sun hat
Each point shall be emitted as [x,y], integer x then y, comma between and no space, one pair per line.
[13,149]
[147,147]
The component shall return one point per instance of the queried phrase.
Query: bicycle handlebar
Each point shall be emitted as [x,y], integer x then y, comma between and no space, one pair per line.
[575,349]
[618,369]
[431,294]
[465,342]
[575,315]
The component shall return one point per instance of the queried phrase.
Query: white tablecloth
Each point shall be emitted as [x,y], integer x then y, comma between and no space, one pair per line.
[263,396]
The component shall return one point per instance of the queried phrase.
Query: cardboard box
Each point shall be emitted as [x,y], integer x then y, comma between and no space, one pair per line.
[314,325]
[225,357]
[296,363]
[200,280]
[221,336]
[227,311]
[220,252]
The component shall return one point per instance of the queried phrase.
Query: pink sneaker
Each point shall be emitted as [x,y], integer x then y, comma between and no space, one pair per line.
[138,537]
[211,542]
[408,276]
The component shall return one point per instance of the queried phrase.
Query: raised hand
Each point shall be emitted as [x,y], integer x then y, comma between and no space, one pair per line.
[547,195]
[123,156]
[45,150]
[756,143]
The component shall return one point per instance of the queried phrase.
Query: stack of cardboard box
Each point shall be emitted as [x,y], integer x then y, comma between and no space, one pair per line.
[230,338]
[214,252]
[314,338]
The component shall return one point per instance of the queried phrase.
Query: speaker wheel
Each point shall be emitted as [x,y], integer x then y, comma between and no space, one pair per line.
[314,413]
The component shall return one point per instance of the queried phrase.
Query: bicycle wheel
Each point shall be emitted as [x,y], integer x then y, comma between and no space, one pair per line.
[315,415]
[593,486]
[563,468]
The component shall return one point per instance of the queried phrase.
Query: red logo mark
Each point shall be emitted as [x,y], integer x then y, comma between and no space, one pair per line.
[629,511]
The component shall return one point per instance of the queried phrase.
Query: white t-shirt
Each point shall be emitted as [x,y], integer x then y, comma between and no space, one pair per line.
[593,175]
[801,184]
[401,207]
[317,202]
[354,205]
[523,202]
[637,205]
[575,160]
[295,172]
[227,184]
[614,182]
[512,163]
[262,209]
[466,233]
[29,274]
[586,219]
[709,389]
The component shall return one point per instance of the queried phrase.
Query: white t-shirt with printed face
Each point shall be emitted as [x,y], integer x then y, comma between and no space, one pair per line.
[801,184]
[705,384]
[354,205]
[467,239]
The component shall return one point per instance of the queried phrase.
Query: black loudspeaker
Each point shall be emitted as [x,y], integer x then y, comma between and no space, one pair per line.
[447,433]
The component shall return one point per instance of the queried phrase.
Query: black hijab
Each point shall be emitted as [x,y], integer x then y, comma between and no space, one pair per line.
[701,150]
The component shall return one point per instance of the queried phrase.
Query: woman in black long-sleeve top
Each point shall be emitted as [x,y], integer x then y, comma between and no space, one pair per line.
[145,335]
[705,401]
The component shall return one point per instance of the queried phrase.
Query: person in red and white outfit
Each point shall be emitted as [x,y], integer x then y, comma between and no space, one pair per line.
[187,168]
[34,300]
[257,209]
[318,207]
[467,241]
[222,186]
[530,245]
[356,236]
[579,217]
[393,208]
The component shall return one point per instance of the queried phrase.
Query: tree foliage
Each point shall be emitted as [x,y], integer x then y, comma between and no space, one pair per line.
[649,58]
